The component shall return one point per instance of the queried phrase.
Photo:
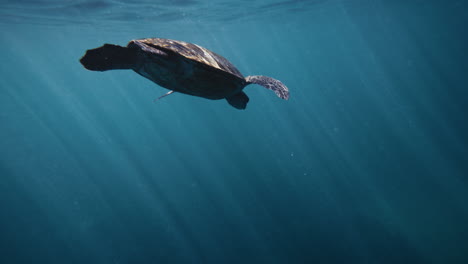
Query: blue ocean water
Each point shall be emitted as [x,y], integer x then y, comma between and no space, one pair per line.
[365,163]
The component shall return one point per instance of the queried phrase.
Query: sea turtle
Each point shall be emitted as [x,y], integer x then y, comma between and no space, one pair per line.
[181,67]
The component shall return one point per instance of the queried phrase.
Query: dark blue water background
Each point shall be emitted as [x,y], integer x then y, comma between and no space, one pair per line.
[366,163]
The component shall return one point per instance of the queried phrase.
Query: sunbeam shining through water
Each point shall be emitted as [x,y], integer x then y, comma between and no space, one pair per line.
[365,163]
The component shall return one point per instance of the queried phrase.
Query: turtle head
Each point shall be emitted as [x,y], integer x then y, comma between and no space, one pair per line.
[109,57]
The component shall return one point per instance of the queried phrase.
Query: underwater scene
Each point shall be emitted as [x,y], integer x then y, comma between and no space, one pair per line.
[365,162]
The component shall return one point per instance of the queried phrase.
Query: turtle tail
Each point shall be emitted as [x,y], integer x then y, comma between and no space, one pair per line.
[109,57]
[271,84]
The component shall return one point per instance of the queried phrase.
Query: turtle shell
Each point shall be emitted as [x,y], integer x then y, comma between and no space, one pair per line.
[192,52]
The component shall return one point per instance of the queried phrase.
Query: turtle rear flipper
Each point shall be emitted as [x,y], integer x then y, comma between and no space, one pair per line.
[271,84]
[238,100]
[109,57]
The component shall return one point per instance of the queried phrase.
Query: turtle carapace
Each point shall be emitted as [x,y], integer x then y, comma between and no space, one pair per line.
[181,67]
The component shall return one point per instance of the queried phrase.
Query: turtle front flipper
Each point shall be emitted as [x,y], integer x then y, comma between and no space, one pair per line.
[271,84]
[109,57]
[238,100]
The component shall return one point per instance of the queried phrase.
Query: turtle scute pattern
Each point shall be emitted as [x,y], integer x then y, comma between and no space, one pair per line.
[194,52]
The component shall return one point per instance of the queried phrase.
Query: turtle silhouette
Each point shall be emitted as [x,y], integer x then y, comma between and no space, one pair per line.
[181,67]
